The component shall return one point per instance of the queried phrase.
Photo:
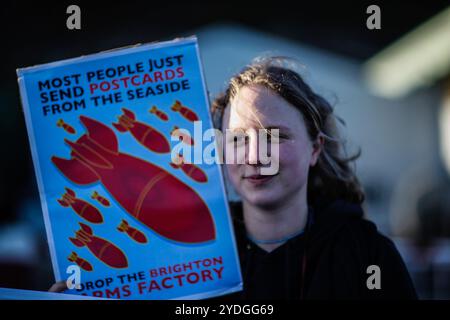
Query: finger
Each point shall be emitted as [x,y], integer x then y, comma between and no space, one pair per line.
[60,286]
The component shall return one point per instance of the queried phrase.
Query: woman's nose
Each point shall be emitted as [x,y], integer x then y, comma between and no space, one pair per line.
[252,150]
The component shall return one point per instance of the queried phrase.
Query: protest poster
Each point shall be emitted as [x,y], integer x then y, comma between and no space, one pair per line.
[140,221]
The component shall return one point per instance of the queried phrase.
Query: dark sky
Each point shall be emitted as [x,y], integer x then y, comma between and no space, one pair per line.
[39,27]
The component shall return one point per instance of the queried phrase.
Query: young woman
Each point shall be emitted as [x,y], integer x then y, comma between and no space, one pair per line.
[300,231]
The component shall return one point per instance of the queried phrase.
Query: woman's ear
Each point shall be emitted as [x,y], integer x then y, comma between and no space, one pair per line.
[317,149]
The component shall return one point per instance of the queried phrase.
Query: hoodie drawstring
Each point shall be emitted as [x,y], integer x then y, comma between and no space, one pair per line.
[309,223]
[286,275]
[248,256]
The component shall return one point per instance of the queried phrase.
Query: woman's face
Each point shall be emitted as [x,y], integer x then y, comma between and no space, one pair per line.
[256,107]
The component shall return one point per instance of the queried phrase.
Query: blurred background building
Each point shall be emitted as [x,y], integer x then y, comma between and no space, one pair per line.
[391,86]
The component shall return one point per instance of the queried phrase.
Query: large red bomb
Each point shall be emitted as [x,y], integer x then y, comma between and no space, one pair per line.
[149,193]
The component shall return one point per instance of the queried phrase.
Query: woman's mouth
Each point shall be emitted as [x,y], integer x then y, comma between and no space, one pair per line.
[258,179]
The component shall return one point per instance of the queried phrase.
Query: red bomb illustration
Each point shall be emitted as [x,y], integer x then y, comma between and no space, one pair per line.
[82,263]
[160,114]
[186,138]
[143,189]
[145,134]
[82,208]
[67,127]
[191,170]
[100,199]
[184,111]
[104,250]
[134,233]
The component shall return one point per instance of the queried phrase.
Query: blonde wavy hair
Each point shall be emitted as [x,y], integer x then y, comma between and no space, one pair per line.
[332,177]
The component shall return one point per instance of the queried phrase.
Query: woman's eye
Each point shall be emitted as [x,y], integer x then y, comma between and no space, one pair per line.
[275,136]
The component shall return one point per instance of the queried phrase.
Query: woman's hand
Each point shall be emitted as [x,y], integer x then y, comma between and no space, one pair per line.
[58,287]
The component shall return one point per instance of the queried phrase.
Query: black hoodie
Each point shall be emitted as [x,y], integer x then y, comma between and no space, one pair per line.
[328,261]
